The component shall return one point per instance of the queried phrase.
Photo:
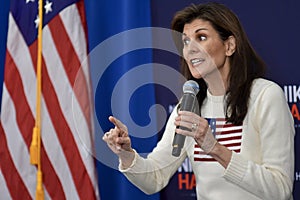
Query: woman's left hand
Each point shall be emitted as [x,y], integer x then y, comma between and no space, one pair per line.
[197,127]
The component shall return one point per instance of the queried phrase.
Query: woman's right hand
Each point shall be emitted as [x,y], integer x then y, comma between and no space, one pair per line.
[119,142]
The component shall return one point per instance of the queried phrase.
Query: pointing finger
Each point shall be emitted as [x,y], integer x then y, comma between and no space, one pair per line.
[118,123]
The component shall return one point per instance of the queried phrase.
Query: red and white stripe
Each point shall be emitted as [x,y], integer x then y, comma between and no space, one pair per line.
[68,168]
[226,134]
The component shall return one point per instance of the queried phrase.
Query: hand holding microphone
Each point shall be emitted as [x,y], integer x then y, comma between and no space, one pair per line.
[190,90]
[191,124]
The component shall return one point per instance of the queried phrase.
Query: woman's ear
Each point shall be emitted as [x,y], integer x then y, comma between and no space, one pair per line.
[230,45]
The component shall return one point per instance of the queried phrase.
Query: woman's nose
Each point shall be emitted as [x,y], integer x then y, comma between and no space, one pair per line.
[193,47]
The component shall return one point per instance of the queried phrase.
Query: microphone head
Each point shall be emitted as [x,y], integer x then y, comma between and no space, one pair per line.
[191,86]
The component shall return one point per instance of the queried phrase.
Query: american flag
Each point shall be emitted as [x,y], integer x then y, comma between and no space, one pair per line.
[226,134]
[68,166]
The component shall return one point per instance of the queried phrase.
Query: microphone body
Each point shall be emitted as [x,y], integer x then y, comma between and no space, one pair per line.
[188,102]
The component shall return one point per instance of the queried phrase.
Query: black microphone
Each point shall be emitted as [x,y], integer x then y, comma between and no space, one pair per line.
[190,90]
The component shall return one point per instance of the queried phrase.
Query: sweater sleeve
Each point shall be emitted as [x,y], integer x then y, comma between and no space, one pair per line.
[153,173]
[273,177]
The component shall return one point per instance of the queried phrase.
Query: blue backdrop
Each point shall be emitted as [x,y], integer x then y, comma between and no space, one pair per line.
[272,27]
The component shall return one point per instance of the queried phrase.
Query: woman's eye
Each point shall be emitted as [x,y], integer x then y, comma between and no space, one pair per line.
[202,37]
[186,41]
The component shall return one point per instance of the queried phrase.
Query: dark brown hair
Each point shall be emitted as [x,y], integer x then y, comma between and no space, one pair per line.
[245,64]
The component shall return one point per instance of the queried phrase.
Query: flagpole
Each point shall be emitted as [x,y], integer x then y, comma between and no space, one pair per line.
[35,147]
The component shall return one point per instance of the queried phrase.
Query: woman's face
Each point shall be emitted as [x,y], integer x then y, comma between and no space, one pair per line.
[203,49]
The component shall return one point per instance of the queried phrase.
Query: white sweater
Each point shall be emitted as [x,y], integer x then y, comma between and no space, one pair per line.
[262,163]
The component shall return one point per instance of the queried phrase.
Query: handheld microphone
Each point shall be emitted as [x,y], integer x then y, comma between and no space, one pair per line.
[190,90]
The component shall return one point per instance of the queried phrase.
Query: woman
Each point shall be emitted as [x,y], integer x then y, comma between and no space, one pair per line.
[252,155]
